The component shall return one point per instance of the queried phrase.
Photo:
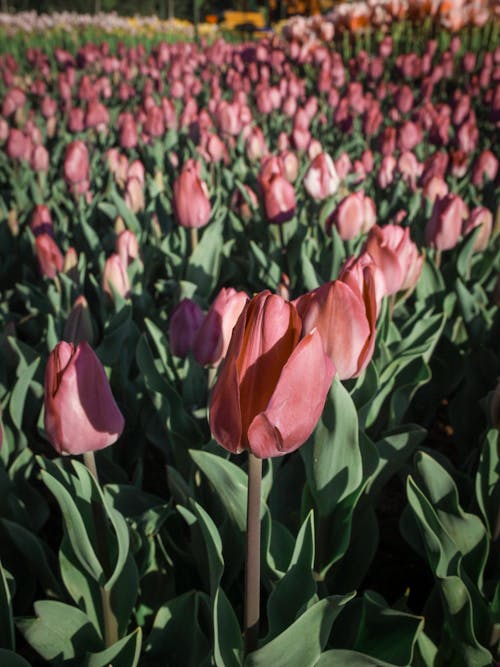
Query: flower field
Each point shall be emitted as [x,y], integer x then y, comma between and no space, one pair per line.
[249,331]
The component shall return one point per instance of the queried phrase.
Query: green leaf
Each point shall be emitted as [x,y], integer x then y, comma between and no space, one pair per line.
[19,393]
[229,483]
[301,644]
[129,217]
[75,526]
[59,631]
[7,639]
[228,644]
[340,657]
[332,456]
[204,264]
[11,659]
[176,632]
[125,653]
[488,482]
[297,588]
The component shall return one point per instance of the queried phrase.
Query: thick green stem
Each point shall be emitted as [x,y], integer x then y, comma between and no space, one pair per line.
[284,250]
[110,622]
[252,571]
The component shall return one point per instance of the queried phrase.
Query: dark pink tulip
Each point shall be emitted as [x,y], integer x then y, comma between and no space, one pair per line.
[48,107]
[343,165]
[345,318]
[279,199]
[396,255]
[76,166]
[409,168]
[212,339]
[76,120]
[81,414]
[435,188]
[459,163]
[404,99]
[388,141]
[479,217]
[97,115]
[154,124]
[228,118]
[185,321]
[485,168]
[191,200]
[18,146]
[468,135]
[14,99]
[114,277]
[128,130]
[41,221]
[445,225]
[50,259]
[409,136]
[321,179]
[272,386]
[78,326]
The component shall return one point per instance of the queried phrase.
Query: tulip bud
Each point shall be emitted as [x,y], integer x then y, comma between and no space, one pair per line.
[78,326]
[445,225]
[279,199]
[50,259]
[272,386]
[76,167]
[185,322]
[214,334]
[352,216]
[479,217]
[115,277]
[41,221]
[321,179]
[81,414]
[191,200]
[127,247]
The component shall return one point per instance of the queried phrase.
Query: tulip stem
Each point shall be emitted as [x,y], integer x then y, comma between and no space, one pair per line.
[194,238]
[437,259]
[252,570]
[284,250]
[110,622]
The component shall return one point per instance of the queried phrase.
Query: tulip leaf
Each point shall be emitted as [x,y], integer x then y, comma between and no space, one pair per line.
[7,638]
[11,659]
[340,657]
[488,482]
[125,653]
[129,217]
[205,262]
[228,644]
[332,456]
[19,393]
[212,554]
[75,527]
[297,588]
[59,631]
[301,644]
[270,272]
[176,632]
[229,483]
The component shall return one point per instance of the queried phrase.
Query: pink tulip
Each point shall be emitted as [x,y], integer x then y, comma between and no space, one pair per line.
[385,175]
[41,221]
[321,179]
[212,339]
[435,188]
[396,255]
[50,259]
[76,166]
[485,168]
[279,199]
[18,145]
[127,247]
[114,277]
[479,217]
[352,216]
[243,208]
[81,414]
[345,319]
[78,326]
[445,225]
[39,159]
[191,200]
[272,386]
[185,321]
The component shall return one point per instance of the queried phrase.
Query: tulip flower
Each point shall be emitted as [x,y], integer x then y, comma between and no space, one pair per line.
[115,277]
[191,200]
[273,384]
[279,199]
[396,255]
[354,215]
[50,258]
[345,316]
[212,339]
[445,225]
[479,217]
[78,326]
[485,168]
[185,321]
[81,414]
[76,167]
[127,247]
[41,221]
[321,179]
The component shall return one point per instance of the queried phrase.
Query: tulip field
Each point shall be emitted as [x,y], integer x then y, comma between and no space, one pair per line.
[249,341]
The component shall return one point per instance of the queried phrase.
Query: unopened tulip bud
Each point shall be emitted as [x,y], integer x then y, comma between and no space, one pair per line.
[185,322]
[191,200]
[50,259]
[81,414]
[115,277]
[78,326]
[321,179]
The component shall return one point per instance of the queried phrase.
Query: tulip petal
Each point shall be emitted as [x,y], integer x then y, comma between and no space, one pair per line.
[296,403]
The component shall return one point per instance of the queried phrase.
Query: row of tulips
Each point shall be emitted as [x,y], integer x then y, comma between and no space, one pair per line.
[272,249]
